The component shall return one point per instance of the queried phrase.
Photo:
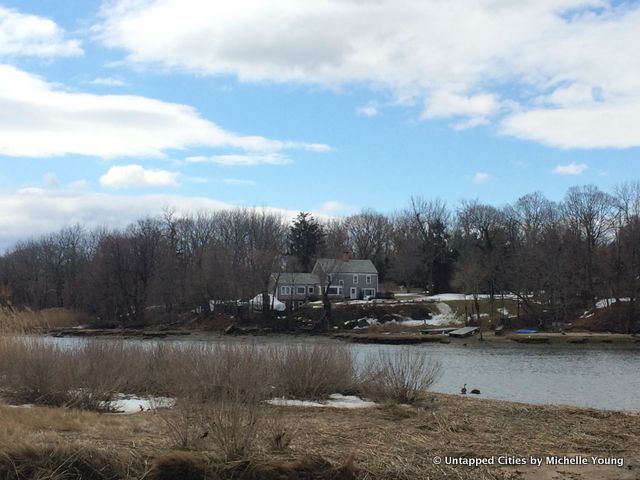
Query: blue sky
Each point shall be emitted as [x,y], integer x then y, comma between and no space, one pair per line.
[116,109]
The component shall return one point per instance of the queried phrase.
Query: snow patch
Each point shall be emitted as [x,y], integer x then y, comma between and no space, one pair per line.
[336,400]
[606,302]
[127,404]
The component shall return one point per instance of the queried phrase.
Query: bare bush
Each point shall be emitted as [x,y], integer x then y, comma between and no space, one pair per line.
[278,432]
[402,376]
[84,376]
[232,425]
[313,371]
[183,423]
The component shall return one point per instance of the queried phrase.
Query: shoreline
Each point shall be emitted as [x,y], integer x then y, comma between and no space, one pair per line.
[388,338]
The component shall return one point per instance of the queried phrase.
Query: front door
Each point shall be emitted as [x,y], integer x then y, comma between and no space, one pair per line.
[353,293]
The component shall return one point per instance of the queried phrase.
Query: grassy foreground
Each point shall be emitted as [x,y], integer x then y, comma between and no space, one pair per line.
[386,442]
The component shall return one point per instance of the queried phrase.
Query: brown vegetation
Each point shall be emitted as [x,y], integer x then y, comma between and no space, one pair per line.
[388,442]
[26,320]
[399,377]
[89,374]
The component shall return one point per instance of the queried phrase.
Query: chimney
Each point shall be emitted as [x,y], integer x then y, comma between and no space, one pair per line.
[345,256]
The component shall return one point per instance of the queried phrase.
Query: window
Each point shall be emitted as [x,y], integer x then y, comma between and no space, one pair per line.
[368,279]
[301,290]
[368,292]
[285,290]
[340,282]
[334,291]
[310,290]
[355,279]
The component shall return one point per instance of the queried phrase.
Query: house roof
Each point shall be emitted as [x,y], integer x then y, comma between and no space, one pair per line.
[332,265]
[286,278]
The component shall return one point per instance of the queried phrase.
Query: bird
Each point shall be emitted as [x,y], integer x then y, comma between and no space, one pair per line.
[141,407]
[463,390]
[475,391]
[204,435]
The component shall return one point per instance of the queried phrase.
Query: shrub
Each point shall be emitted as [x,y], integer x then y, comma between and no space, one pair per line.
[232,425]
[401,376]
[313,371]
[279,433]
[385,295]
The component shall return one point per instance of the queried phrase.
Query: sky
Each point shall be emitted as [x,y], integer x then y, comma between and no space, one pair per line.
[112,110]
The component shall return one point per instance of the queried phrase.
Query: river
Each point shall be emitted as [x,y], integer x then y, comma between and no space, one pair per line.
[599,376]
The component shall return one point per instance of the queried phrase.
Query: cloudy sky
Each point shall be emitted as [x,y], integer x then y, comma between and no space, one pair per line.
[111,110]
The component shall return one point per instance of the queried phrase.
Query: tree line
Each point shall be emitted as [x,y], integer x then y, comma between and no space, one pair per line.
[558,258]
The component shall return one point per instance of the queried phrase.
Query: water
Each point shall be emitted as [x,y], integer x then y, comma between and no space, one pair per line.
[599,376]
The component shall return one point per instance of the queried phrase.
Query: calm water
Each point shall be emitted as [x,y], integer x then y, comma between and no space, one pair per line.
[602,376]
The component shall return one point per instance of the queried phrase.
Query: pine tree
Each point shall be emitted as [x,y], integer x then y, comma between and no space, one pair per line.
[306,240]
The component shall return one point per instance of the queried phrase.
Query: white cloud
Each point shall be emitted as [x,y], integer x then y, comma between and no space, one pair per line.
[477,108]
[481,177]
[40,120]
[465,59]
[242,160]
[137,176]
[614,124]
[22,34]
[571,169]
[108,82]
[368,110]
[333,207]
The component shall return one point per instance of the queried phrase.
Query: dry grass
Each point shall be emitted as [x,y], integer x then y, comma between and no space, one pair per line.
[13,320]
[89,375]
[313,371]
[388,442]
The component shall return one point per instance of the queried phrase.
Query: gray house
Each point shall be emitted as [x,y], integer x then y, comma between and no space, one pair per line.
[344,278]
[294,289]
[353,279]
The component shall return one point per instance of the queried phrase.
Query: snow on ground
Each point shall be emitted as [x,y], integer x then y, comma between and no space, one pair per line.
[126,404]
[445,317]
[443,308]
[336,400]
[453,297]
[605,302]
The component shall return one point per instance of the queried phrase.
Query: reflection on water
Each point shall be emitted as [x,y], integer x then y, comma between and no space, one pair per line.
[599,376]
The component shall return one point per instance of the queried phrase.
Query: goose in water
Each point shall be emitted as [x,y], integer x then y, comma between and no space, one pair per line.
[463,390]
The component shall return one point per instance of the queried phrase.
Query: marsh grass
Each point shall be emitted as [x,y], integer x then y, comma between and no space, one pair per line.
[313,371]
[402,376]
[26,320]
[90,374]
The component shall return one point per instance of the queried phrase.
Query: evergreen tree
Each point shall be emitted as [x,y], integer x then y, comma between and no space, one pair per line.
[306,240]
